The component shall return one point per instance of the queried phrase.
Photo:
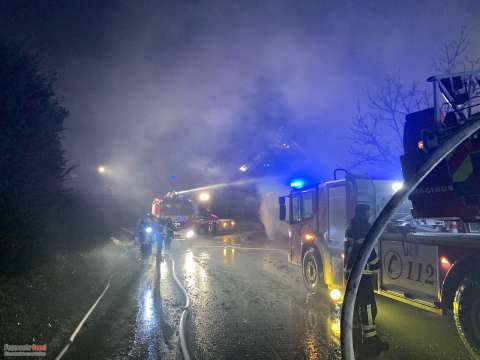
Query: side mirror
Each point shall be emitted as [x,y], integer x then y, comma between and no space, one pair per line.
[282,208]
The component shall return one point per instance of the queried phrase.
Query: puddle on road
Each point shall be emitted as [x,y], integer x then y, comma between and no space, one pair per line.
[157,316]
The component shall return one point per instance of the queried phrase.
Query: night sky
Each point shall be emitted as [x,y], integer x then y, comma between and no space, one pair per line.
[196,88]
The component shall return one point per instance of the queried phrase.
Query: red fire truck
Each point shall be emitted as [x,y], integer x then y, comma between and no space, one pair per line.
[189,219]
[431,251]
[179,209]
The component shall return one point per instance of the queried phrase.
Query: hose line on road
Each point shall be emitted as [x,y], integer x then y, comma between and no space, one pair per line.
[380,224]
[79,326]
[184,316]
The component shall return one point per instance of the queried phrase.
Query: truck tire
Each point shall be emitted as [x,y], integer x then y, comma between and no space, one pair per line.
[312,270]
[466,313]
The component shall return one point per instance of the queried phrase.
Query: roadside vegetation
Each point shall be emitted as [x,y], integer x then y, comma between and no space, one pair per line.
[56,253]
[39,215]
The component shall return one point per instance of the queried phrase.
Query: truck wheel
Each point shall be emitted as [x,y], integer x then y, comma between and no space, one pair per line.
[312,270]
[466,312]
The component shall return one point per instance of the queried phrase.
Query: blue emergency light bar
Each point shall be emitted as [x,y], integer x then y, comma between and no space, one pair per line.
[297,183]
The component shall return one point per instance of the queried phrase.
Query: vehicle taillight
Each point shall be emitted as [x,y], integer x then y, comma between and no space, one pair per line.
[445,263]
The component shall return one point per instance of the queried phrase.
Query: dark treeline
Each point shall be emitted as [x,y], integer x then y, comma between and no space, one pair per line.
[38,213]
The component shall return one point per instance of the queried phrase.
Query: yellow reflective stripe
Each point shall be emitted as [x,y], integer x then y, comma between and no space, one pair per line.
[463,171]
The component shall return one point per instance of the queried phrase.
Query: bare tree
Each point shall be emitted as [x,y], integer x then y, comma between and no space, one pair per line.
[377,132]
[454,57]
[377,129]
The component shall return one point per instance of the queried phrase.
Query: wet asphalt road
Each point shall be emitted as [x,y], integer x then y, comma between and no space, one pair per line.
[138,317]
[246,302]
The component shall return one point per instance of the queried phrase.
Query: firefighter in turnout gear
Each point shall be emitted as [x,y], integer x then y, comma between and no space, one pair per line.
[366,340]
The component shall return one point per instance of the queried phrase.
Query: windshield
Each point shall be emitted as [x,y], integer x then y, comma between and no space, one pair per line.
[240,179]
[176,207]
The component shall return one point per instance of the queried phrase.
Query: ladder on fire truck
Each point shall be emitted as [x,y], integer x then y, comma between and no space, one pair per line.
[456,102]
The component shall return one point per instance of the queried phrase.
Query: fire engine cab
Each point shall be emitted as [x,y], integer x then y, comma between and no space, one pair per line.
[318,216]
[430,252]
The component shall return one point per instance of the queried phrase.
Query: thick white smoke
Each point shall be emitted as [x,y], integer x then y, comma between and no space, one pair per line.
[269,192]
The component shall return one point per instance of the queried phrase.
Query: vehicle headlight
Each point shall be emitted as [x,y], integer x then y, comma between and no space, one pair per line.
[190,234]
[233,223]
[148,229]
[225,224]
[309,237]
[335,294]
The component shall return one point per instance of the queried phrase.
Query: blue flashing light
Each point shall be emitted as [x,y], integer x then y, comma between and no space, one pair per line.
[297,183]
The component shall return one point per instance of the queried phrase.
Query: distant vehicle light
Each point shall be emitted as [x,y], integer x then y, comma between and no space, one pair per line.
[309,237]
[397,185]
[225,224]
[190,234]
[233,223]
[101,169]
[335,294]
[297,183]
[148,229]
[343,256]
[243,168]
[421,145]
